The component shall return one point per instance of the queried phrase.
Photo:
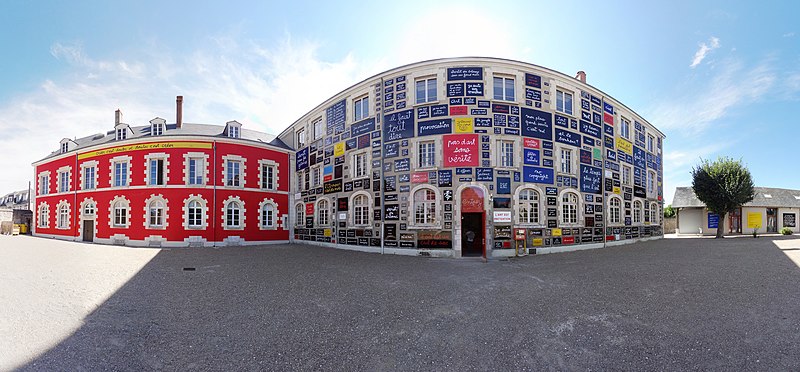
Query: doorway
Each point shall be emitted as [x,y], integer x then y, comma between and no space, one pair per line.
[88,230]
[772,220]
[735,222]
[473,222]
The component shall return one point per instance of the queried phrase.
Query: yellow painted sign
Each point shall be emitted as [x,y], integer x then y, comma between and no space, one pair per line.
[537,242]
[753,220]
[463,125]
[327,232]
[617,190]
[625,146]
[145,146]
[556,232]
[338,149]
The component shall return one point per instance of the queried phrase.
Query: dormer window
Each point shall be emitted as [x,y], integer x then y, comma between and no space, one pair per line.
[233,132]
[121,133]
[234,129]
[157,129]
[64,147]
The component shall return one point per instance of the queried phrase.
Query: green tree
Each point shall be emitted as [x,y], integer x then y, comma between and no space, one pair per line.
[668,211]
[723,185]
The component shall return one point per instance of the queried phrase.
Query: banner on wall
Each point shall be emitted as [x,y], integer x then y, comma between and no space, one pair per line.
[753,220]
[461,150]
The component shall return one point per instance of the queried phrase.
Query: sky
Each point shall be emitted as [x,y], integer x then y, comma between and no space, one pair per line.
[719,78]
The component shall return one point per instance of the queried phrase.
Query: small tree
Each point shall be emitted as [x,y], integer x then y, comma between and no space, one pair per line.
[723,185]
[668,211]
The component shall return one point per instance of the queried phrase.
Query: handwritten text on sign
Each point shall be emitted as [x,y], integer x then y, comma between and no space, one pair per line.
[461,150]
[537,124]
[590,179]
[398,125]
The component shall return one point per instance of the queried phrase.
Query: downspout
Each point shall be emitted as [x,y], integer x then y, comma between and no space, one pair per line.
[383,204]
[75,197]
[603,156]
[214,196]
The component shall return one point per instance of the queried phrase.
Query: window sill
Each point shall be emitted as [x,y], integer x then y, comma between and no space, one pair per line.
[195,228]
[425,227]
[231,228]
[530,226]
[267,228]
[156,227]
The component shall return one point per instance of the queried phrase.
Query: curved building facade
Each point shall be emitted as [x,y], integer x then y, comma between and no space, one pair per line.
[474,156]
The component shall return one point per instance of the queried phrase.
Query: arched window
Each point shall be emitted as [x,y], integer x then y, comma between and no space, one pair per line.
[614,210]
[654,213]
[360,210]
[233,214]
[528,206]
[44,215]
[637,212]
[120,214]
[89,209]
[268,215]
[569,208]
[299,217]
[424,207]
[323,212]
[155,213]
[63,216]
[194,214]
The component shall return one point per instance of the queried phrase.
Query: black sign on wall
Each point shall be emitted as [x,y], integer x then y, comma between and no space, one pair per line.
[789,220]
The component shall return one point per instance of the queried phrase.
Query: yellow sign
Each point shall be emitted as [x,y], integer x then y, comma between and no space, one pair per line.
[625,146]
[556,232]
[753,220]
[463,125]
[145,146]
[616,190]
[338,149]
[327,232]
[537,242]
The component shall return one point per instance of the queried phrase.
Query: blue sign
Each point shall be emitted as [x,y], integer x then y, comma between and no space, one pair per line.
[423,112]
[530,156]
[503,185]
[562,121]
[474,89]
[462,171]
[438,110]
[431,127]
[478,112]
[301,159]
[362,127]
[713,220]
[567,137]
[391,150]
[445,178]
[611,155]
[398,125]
[484,174]
[533,94]
[638,157]
[470,100]
[532,80]
[608,108]
[608,129]
[537,124]
[483,122]
[484,104]
[590,129]
[465,73]
[537,175]
[401,165]
[456,101]
[455,89]
[335,117]
[591,178]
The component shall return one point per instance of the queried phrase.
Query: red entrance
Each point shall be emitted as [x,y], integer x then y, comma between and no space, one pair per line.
[473,222]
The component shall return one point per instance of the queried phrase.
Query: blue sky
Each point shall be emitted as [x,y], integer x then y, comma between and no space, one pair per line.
[717,77]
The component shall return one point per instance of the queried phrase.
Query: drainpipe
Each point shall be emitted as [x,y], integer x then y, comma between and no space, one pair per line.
[214,197]
[602,173]
[383,204]
[75,198]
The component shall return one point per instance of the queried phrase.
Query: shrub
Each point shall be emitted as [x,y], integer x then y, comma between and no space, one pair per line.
[786,231]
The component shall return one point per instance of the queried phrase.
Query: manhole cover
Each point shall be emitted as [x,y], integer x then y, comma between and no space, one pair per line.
[189,269]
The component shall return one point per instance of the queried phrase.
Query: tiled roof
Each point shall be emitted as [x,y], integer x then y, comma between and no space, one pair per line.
[764,197]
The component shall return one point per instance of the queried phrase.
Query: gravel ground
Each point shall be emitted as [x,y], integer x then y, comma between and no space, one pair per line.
[672,304]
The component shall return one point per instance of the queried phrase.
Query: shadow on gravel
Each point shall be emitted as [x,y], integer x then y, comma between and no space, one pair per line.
[667,304]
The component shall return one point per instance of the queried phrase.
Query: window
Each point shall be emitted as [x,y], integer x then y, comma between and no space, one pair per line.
[427,154]
[360,210]
[625,128]
[569,208]
[637,212]
[651,182]
[306,177]
[301,138]
[299,218]
[44,184]
[267,177]
[120,209]
[564,102]
[121,133]
[528,206]
[323,212]
[157,129]
[89,209]
[503,88]
[44,215]
[234,131]
[233,173]
[654,213]
[156,172]
[425,207]
[155,213]
[63,181]
[565,161]
[317,176]
[233,214]
[64,147]
[63,216]
[194,214]
[360,165]
[268,215]
[361,108]
[299,182]
[120,174]
[426,90]
[650,141]
[89,178]
[506,153]
[626,175]
[317,125]
[196,170]
[614,211]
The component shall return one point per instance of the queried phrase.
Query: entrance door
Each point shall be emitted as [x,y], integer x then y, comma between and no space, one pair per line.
[736,222]
[772,220]
[88,230]
[473,223]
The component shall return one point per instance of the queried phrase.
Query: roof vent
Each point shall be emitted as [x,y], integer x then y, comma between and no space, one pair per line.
[768,196]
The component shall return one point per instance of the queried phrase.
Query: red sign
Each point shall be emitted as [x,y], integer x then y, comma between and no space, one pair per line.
[608,118]
[568,240]
[309,209]
[461,150]
[531,143]
[609,238]
[472,200]
[419,177]
[327,177]
[519,234]
[458,110]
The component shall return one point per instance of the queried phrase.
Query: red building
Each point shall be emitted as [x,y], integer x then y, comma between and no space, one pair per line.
[165,185]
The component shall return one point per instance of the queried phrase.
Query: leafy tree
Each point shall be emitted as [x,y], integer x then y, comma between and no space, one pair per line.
[668,211]
[723,185]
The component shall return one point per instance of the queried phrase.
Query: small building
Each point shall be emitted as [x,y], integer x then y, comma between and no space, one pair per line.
[771,210]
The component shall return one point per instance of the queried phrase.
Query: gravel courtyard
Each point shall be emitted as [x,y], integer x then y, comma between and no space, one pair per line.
[672,304]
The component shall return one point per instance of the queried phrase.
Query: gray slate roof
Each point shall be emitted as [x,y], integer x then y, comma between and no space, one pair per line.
[685,198]
[186,129]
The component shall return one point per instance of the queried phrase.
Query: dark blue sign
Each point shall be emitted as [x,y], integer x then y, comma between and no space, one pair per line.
[513,121]
[591,178]
[431,127]
[463,171]
[567,137]
[484,104]
[423,112]
[608,129]
[438,110]
[474,89]
[362,127]
[532,80]
[596,100]
[511,131]
[597,118]
[713,220]
[608,108]
[530,156]
[533,94]
[537,124]
[562,121]
[335,117]
[537,175]
[456,101]
[301,159]
[499,120]
[465,73]
[503,185]
[638,157]
[609,142]
[611,155]
[586,157]
[445,178]
[590,129]
[391,150]
[478,112]
[402,165]
[484,174]
[483,122]
[547,145]
[455,89]
[398,125]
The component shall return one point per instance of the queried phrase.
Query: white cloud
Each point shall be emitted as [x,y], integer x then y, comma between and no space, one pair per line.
[789,34]
[701,53]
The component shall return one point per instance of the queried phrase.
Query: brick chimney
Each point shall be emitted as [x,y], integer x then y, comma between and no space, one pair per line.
[581,76]
[117,117]
[178,111]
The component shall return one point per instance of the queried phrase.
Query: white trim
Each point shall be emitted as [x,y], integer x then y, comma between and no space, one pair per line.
[127,204]
[275,166]
[242,172]
[352,220]
[64,170]
[40,185]
[121,159]
[156,156]
[165,215]
[203,171]
[542,206]
[84,166]
[203,204]
[43,206]
[275,219]
[242,214]
[68,224]
[412,217]
[578,208]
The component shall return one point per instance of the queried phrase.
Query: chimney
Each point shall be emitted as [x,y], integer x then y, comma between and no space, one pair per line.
[581,76]
[178,111]
[117,117]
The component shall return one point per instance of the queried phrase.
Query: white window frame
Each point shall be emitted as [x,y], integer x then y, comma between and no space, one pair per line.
[562,162]
[200,169]
[504,81]
[563,206]
[361,108]
[561,105]
[300,137]
[234,129]
[44,183]
[316,176]
[651,143]
[125,181]
[426,159]
[431,209]
[64,180]
[43,217]
[627,174]
[64,147]
[62,215]
[637,212]
[156,129]
[268,181]
[615,210]
[121,133]
[358,209]
[233,214]
[506,159]
[266,207]
[228,164]
[323,212]
[625,128]
[534,218]
[361,166]
[318,127]
[651,182]
[189,217]
[115,219]
[89,181]
[426,97]
[299,215]
[148,173]
[654,214]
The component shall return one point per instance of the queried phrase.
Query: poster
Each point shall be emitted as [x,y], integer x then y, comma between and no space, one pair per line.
[753,220]
[461,150]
